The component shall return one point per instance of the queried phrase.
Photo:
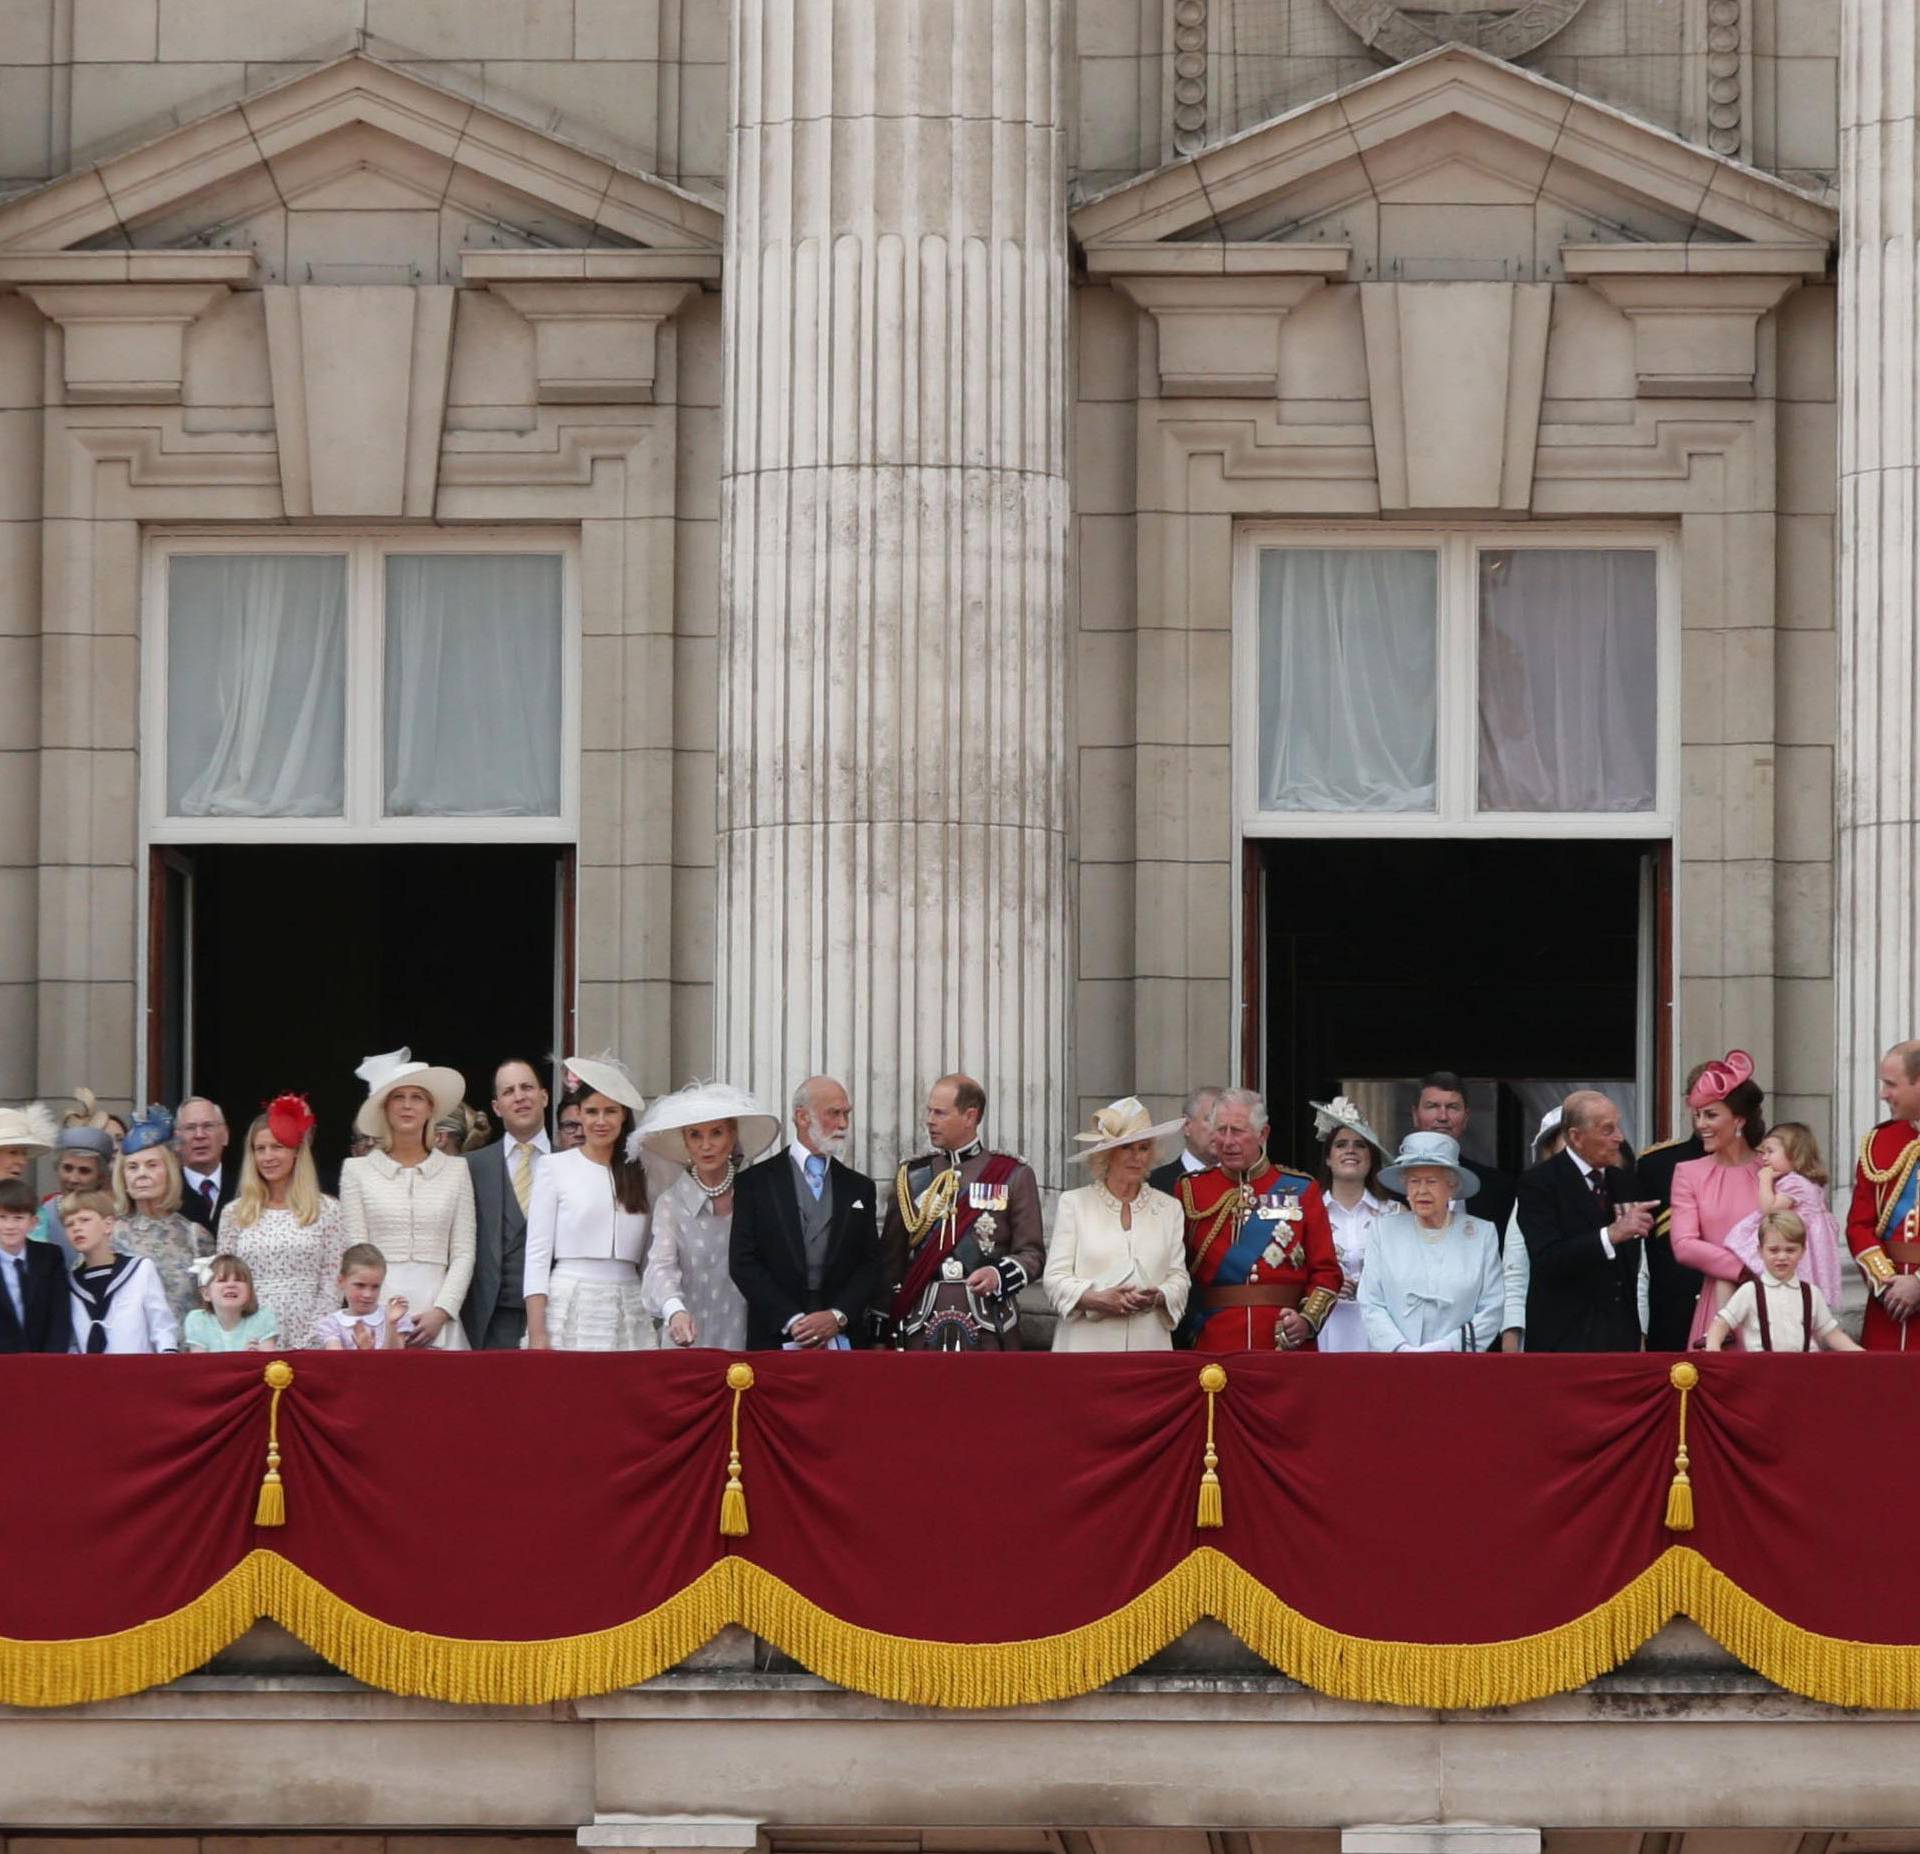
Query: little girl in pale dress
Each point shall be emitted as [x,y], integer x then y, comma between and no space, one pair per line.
[360,1323]
[1792,1177]
[233,1319]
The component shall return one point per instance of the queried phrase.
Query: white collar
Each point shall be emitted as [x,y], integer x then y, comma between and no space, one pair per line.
[511,1143]
[800,1155]
[1586,1170]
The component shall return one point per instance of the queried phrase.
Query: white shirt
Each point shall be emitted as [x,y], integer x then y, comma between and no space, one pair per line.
[800,1154]
[1586,1173]
[138,1318]
[1188,1163]
[207,1182]
[510,1150]
[1784,1319]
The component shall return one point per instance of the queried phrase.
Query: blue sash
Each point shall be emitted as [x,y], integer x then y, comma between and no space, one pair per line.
[1263,1226]
[1902,1207]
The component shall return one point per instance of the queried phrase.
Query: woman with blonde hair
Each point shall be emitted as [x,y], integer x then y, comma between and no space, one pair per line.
[280,1223]
[411,1200]
[147,1188]
[1117,1263]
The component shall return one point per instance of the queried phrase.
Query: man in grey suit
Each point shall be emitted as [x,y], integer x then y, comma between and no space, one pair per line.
[494,1315]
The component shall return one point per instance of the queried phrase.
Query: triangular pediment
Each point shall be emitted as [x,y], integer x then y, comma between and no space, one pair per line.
[358,136]
[1508,168]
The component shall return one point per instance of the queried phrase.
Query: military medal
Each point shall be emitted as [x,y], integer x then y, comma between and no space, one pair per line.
[983,1229]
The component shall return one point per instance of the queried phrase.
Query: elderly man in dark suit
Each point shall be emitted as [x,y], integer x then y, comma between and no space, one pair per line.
[804,1250]
[1583,1229]
[494,1314]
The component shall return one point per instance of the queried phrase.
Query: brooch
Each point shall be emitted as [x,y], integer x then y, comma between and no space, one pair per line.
[984,1228]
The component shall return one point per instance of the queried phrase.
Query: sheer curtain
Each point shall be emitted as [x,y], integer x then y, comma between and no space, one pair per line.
[1569,675]
[256,685]
[473,654]
[1347,700]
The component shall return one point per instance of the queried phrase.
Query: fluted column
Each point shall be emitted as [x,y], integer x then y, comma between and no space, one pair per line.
[1877,775]
[893,891]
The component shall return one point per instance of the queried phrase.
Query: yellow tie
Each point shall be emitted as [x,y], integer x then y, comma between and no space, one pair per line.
[523,1176]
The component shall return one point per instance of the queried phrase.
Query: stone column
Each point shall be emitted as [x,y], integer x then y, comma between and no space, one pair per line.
[1877,774]
[893,893]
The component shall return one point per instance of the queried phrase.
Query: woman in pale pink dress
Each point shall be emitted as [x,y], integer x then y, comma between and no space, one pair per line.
[1713,1195]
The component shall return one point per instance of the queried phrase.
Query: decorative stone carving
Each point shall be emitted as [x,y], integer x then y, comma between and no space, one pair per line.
[1724,27]
[1695,309]
[125,342]
[595,343]
[359,395]
[1507,31]
[1455,373]
[1219,309]
[1189,75]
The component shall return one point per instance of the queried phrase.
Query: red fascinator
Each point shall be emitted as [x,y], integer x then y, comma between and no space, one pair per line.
[290,1119]
[1719,1079]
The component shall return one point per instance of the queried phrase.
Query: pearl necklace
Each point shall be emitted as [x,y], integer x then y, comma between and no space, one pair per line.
[714,1193]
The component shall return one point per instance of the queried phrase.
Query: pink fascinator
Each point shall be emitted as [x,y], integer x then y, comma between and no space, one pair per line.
[1719,1079]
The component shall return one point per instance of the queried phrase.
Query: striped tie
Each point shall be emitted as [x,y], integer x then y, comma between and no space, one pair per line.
[523,1176]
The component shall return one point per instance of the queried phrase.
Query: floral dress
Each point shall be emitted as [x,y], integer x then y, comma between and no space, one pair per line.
[296,1266]
[172,1244]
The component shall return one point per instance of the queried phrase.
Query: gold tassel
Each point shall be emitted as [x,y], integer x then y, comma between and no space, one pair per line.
[733,1499]
[1683,1377]
[271,1509]
[1213,1380]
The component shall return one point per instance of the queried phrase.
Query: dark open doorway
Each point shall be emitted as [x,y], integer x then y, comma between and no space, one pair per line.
[273,968]
[1517,965]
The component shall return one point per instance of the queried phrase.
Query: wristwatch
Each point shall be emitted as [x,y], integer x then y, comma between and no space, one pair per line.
[841,1317]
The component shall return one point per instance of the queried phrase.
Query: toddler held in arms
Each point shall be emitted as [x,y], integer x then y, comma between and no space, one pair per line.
[119,1304]
[1793,1177]
[360,1323]
[233,1319]
[1779,1312]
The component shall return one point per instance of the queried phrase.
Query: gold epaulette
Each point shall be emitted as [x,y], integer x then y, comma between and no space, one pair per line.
[1665,1145]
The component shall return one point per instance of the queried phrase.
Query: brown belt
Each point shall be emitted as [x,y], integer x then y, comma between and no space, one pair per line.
[1264,1294]
[1904,1254]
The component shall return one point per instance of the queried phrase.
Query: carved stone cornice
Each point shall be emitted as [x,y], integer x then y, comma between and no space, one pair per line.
[125,342]
[595,343]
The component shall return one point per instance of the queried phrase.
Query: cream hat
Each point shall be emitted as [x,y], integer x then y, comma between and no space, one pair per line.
[30,1126]
[607,1074]
[397,1069]
[663,1130]
[1123,1123]
[1330,1116]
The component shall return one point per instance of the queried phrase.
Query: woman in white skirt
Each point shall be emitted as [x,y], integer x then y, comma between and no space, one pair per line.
[590,1224]
[409,1199]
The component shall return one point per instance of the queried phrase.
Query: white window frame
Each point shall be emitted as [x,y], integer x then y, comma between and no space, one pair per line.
[365,550]
[1457,743]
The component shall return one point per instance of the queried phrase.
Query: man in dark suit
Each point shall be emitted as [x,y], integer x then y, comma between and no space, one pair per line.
[494,1313]
[36,1298]
[1196,1155]
[1583,1229]
[1441,1107]
[804,1249]
[210,1177]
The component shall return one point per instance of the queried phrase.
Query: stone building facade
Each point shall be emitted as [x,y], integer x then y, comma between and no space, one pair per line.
[910,406]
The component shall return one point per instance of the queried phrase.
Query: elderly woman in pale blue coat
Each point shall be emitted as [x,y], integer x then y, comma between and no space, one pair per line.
[1433,1281]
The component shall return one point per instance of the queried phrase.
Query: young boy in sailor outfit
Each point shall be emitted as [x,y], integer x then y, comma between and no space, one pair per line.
[119,1302]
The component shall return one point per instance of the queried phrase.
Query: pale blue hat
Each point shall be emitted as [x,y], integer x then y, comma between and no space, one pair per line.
[1429,1149]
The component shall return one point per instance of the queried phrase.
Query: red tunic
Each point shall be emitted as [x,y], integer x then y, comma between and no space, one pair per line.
[1888,1158]
[1281,1236]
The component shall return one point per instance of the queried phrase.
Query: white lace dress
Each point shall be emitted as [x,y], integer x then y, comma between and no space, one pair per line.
[296,1266]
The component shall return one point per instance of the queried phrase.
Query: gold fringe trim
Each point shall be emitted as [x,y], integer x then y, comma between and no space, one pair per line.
[1435,1676]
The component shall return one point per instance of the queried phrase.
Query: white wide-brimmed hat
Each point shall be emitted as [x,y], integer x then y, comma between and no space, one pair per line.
[1124,1122]
[1329,1117]
[1436,1149]
[663,1130]
[30,1126]
[397,1069]
[607,1074]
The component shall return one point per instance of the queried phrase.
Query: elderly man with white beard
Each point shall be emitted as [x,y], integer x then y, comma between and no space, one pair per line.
[805,1246]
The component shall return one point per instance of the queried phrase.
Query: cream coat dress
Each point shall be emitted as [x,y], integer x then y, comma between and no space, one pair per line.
[1091,1249]
[420,1217]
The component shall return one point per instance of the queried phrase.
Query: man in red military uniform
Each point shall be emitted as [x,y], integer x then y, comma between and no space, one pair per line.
[1883,1223]
[1259,1241]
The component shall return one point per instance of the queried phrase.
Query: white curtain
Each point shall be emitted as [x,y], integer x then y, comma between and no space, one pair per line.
[1568,680]
[256,685]
[473,652]
[1347,644]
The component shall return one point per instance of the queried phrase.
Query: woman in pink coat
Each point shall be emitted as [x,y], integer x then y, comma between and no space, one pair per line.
[1713,1195]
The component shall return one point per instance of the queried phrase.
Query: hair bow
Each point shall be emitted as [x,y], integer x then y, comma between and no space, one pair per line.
[1719,1079]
